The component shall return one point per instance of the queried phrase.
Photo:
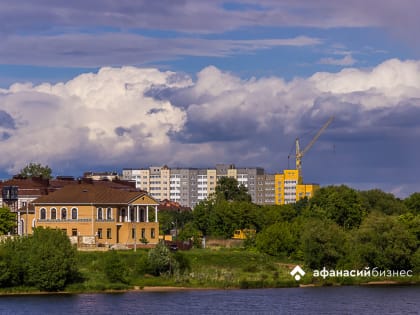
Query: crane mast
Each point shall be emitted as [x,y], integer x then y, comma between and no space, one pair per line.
[301,153]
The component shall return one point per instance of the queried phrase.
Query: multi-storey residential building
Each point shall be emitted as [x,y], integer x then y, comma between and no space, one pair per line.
[189,186]
[265,189]
[155,180]
[289,187]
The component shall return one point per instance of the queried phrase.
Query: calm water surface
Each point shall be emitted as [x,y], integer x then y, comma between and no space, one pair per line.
[324,300]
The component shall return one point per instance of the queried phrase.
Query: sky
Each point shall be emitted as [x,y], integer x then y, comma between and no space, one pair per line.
[103,85]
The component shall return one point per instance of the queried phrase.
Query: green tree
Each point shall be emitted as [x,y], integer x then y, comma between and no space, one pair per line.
[413,203]
[159,259]
[323,243]
[271,214]
[7,221]
[277,239]
[15,261]
[377,200]
[384,242]
[36,170]
[341,204]
[52,263]
[190,232]
[202,212]
[228,188]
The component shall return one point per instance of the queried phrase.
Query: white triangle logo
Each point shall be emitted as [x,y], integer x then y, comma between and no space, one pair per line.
[297,272]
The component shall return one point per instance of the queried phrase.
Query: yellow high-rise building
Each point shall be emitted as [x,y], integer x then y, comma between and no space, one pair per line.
[289,187]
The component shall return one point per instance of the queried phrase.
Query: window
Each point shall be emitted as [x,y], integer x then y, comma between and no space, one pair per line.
[123,215]
[74,213]
[152,233]
[133,233]
[63,213]
[99,233]
[143,233]
[73,232]
[108,233]
[53,214]
[43,214]
[99,214]
[64,230]
[109,213]
[132,214]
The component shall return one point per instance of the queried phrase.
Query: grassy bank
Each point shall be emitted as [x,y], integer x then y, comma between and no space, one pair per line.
[222,268]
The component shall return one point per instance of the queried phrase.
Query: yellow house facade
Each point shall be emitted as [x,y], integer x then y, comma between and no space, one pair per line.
[289,187]
[97,215]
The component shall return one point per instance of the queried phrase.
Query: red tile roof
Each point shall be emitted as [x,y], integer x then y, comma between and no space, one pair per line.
[172,206]
[95,193]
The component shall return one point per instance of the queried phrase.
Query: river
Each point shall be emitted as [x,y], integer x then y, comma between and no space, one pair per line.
[318,300]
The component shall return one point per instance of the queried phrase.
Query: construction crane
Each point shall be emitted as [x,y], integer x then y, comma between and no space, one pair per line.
[300,154]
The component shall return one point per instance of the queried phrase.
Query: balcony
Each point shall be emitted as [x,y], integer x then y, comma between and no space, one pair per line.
[64,220]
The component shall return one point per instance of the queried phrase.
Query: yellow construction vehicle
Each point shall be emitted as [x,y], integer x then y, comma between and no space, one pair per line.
[243,234]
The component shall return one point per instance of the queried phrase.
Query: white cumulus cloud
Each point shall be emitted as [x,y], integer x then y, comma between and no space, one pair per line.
[135,117]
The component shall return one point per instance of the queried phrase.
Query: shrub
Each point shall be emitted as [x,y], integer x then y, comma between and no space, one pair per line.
[51,260]
[115,269]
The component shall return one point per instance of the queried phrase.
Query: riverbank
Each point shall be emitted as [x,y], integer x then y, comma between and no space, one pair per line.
[205,270]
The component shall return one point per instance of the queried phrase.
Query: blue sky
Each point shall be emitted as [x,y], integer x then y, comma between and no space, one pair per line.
[103,85]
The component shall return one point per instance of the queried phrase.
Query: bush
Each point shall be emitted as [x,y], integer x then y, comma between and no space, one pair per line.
[115,269]
[323,244]
[52,260]
[45,260]
[159,259]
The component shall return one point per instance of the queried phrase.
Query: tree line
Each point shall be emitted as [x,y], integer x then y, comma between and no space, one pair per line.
[338,227]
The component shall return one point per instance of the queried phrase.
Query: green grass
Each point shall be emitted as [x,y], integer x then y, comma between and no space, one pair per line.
[223,268]
[209,268]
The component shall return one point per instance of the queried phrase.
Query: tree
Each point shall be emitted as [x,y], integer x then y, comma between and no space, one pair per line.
[323,243]
[202,213]
[36,170]
[384,242]
[190,232]
[228,188]
[413,202]
[7,221]
[377,200]
[51,260]
[159,259]
[341,204]
[276,239]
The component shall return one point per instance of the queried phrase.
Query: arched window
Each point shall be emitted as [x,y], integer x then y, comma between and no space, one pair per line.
[63,214]
[109,213]
[43,214]
[53,214]
[100,214]
[74,213]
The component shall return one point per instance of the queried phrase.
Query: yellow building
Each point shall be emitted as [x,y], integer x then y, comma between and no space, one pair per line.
[289,187]
[93,214]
